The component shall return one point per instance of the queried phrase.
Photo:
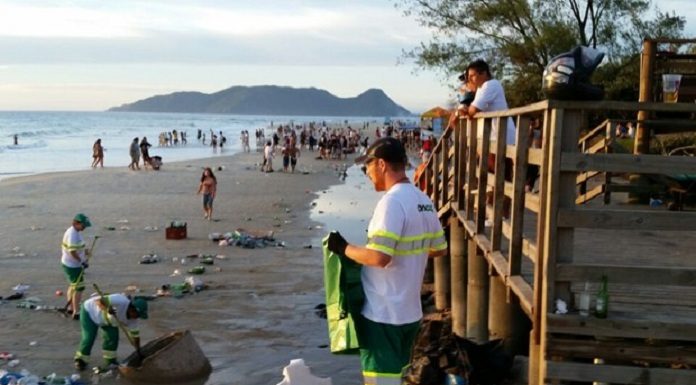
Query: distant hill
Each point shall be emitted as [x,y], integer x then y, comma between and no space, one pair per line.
[270,100]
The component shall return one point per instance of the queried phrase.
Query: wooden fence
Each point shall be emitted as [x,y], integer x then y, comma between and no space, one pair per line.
[514,252]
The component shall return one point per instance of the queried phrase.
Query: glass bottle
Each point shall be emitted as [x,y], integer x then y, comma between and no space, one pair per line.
[584,301]
[602,304]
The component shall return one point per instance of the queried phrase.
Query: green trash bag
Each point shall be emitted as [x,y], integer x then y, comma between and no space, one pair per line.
[344,300]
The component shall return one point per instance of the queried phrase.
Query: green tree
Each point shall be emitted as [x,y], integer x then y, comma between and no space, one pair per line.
[519,37]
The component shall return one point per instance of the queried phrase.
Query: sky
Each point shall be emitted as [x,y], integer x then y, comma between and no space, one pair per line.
[87,55]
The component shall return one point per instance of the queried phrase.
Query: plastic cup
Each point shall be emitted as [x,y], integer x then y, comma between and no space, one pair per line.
[670,87]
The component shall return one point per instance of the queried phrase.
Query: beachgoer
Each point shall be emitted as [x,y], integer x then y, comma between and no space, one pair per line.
[294,153]
[208,188]
[107,312]
[403,232]
[268,157]
[135,155]
[97,154]
[145,151]
[74,262]
[16,140]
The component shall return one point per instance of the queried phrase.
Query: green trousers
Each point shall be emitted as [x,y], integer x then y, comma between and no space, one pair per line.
[89,334]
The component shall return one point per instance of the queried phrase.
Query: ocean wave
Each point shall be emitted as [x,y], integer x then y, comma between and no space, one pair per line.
[25,146]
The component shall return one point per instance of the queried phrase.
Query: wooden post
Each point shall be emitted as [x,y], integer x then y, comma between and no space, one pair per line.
[457,246]
[442,281]
[476,294]
[641,145]
[506,320]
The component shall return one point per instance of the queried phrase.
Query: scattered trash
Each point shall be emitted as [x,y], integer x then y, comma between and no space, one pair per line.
[110,228]
[197,270]
[249,239]
[151,228]
[124,228]
[320,310]
[14,296]
[654,202]
[16,249]
[307,246]
[195,283]
[207,260]
[59,293]
[297,373]
[321,211]
[132,289]
[33,343]
[35,228]
[149,259]
[122,221]
[561,307]
[13,363]
[6,356]
[175,273]
[220,256]
[21,288]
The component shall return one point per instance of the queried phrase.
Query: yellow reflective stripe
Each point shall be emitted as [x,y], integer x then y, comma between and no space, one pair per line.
[79,354]
[71,247]
[109,354]
[381,248]
[409,238]
[440,246]
[134,333]
[373,378]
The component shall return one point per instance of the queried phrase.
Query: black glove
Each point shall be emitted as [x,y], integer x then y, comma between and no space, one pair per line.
[85,265]
[337,244]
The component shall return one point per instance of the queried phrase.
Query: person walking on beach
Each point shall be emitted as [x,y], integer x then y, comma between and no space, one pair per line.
[293,153]
[97,154]
[268,157]
[16,140]
[74,262]
[106,313]
[135,155]
[145,151]
[208,188]
[403,232]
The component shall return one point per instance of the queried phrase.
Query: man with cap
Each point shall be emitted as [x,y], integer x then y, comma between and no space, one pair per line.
[74,262]
[403,232]
[107,312]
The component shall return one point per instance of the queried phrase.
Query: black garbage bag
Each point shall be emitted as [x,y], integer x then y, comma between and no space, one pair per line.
[435,354]
[490,364]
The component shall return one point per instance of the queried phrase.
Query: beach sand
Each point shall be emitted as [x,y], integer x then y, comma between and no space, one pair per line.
[259,311]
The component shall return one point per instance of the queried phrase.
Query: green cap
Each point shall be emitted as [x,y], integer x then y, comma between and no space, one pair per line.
[82,218]
[140,306]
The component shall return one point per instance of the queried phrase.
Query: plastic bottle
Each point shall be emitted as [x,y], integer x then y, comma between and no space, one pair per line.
[602,304]
[584,301]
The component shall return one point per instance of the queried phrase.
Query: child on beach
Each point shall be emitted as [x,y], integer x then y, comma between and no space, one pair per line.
[208,188]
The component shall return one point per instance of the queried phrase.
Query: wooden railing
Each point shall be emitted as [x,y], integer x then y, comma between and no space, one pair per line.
[518,252]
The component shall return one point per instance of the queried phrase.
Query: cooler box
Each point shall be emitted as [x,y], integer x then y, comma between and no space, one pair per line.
[178,232]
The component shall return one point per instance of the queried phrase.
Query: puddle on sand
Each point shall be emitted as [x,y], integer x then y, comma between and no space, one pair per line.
[347,207]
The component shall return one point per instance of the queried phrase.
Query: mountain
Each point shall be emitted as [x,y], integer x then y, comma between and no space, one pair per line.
[270,100]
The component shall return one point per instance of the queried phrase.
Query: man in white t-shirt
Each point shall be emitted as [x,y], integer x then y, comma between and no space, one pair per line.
[403,232]
[74,262]
[490,96]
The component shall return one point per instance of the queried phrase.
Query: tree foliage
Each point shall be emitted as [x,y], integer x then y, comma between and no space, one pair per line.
[519,37]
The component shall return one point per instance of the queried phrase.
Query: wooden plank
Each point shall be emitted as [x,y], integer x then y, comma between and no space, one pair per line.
[600,128]
[470,227]
[524,293]
[498,263]
[529,248]
[498,184]
[471,169]
[461,163]
[518,198]
[623,350]
[639,275]
[445,171]
[585,176]
[609,105]
[620,326]
[599,147]
[637,188]
[528,109]
[628,163]
[627,220]
[535,155]
[615,374]
[444,210]
[483,175]
[590,195]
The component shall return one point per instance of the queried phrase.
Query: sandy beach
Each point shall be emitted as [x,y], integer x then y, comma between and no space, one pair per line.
[258,313]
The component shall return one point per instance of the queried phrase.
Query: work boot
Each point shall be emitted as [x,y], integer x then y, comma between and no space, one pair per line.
[80,364]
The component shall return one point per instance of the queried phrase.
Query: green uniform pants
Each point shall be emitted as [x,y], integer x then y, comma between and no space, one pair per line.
[385,350]
[89,334]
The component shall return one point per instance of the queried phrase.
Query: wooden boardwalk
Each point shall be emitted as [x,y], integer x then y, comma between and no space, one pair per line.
[511,262]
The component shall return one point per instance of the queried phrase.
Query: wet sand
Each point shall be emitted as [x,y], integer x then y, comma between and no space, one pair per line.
[259,311]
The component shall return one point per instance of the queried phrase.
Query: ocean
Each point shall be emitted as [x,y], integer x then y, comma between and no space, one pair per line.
[62,141]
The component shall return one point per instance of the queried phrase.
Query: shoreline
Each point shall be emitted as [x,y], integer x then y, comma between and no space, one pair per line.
[259,311]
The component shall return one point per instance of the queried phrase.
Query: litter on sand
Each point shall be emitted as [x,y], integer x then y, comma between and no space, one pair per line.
[297,373]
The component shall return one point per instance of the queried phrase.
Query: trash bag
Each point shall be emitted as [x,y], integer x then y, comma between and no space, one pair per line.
[567,76]
[344,301]
[436,353]
[490,364]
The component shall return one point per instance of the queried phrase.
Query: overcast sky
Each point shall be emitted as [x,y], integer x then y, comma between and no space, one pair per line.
[92,55]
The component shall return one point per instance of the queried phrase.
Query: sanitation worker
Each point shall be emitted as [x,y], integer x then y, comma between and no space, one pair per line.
[403,232]
[106,313]
[74,262]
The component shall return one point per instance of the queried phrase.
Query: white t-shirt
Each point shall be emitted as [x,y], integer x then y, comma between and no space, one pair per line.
[268,152]
[491,97]
[404,226]
[119,303]
[72,241]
